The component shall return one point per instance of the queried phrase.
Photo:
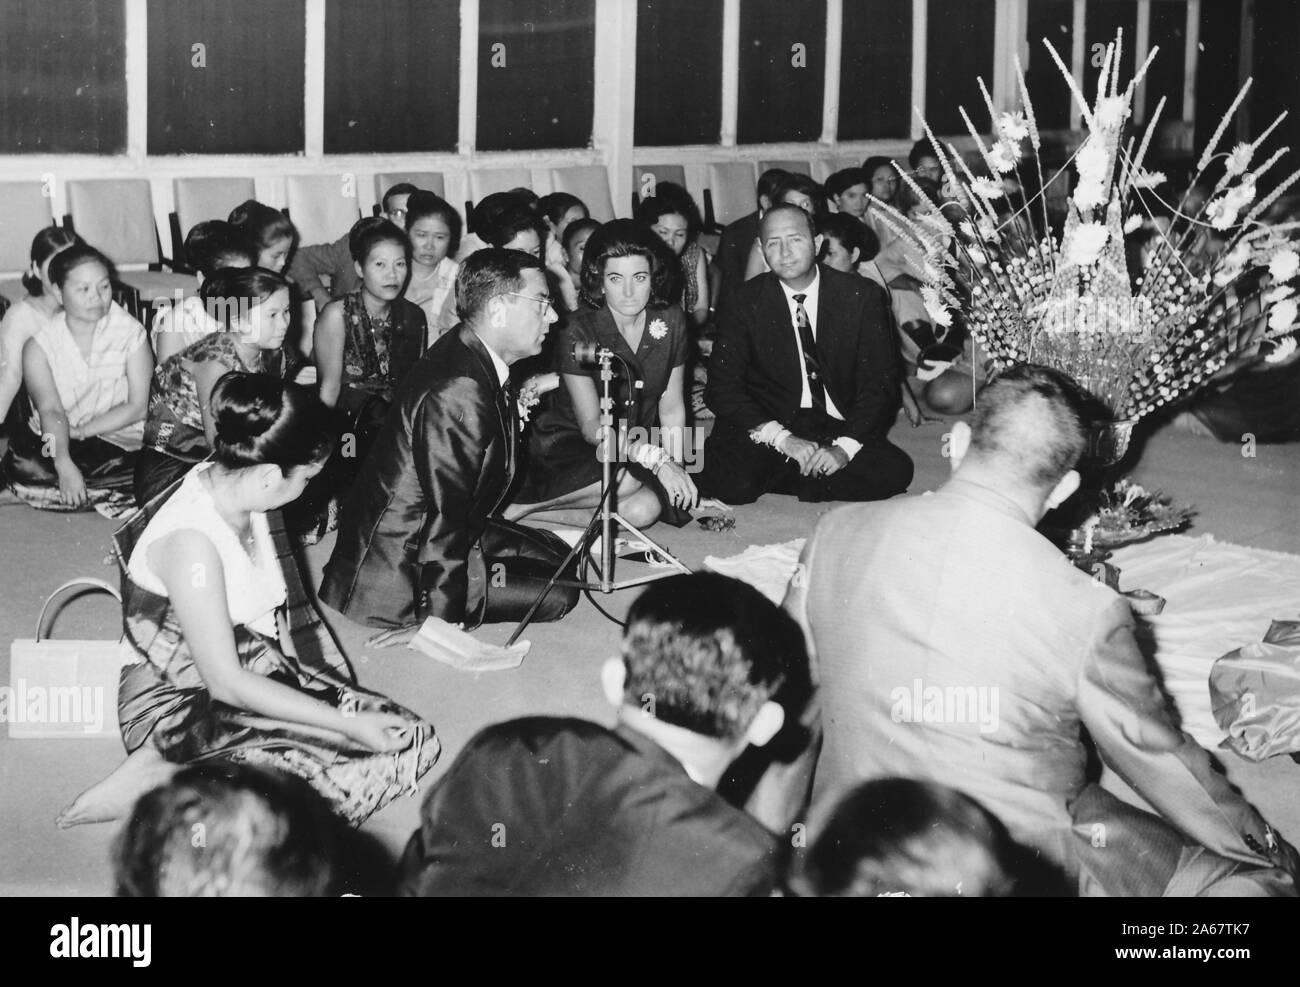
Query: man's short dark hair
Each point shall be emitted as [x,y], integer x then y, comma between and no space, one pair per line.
[401,188]
[225,829]
[804,185]
[1031,422]
[894,836]
[704,652]
[782,207]
[921,149]
[769,181]
[487,273]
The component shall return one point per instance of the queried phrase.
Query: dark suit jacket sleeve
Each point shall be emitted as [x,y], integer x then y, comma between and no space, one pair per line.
[449,437]
[1128,719]
[727,393]
[877,376]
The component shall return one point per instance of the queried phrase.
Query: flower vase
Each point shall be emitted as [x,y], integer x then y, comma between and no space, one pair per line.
[1107,443]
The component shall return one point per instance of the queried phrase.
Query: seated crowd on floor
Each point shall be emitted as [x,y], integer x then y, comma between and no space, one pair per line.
[444,411]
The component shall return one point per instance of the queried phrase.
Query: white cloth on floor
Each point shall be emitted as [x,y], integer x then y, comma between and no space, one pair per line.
[1220,596]
[768,568]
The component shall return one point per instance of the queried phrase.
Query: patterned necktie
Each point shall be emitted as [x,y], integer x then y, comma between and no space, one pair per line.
[816,387]
[509,418]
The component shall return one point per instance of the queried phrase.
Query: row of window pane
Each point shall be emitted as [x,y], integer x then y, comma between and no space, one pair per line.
[226,76]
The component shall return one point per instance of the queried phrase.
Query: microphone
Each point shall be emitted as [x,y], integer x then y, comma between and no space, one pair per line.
[595,353]
[591,353]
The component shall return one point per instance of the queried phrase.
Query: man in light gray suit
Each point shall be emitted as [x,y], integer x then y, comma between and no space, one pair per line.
[952,642]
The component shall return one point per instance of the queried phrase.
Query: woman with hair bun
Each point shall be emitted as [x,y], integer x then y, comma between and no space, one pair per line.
[232,661]
[250,306]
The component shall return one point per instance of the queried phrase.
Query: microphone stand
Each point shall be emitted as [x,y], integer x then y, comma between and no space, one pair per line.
[605,515]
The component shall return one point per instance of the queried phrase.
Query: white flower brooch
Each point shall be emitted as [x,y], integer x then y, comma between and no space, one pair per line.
[658,329]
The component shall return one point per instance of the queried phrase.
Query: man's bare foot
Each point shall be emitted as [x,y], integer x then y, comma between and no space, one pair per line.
[113,797]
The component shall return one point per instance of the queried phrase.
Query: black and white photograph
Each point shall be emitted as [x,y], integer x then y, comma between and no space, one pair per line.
[651,448]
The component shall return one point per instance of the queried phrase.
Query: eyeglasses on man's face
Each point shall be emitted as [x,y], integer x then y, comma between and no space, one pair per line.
[545,301]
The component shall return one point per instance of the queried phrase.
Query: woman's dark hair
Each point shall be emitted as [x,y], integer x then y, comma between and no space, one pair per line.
[671,198]
[795,182]
[510,223]
[213,243]
[262,224]
[629,238]
[575,228]
[45,245]
[555,205]
[224,829]
[66,261]
[850,233]
[263,420]
[845,179]
[422,205]
[486,211]
[877,161]
[231,291]
[370,231]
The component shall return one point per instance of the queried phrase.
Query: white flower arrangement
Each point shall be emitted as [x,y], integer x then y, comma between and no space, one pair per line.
[1135,340]
[1284,264]
[1239,159]
[658,329]
[1013,127]
[1283,315]
[987,188]
[1149,179]
[935,308]
[1003,156]
[1085,246]
[1282,350]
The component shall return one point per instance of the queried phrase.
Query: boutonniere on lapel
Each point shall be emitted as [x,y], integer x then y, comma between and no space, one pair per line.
[526,401]
[531,392]
[657,329]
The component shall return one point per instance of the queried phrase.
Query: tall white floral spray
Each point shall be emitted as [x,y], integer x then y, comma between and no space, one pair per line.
[1135,343]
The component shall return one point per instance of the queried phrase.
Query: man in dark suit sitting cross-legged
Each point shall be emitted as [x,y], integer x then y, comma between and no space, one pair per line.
[804,381]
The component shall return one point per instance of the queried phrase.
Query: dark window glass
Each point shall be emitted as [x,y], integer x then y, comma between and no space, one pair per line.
[62,77]
[226,77]
[958,48]
[536,73]
[876,70]
[1052,20]
[1277,26]
[392,75]
[782,70]
[1102,19]
[1168,69]
[678,72]
[1216,69]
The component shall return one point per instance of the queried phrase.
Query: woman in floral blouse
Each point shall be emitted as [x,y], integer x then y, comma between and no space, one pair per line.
[631,282]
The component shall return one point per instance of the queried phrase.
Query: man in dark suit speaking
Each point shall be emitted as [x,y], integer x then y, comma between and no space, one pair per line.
[804,381]
[417,536]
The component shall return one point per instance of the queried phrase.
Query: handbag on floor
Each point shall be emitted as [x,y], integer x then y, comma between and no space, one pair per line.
[1255,692]
[63,688]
